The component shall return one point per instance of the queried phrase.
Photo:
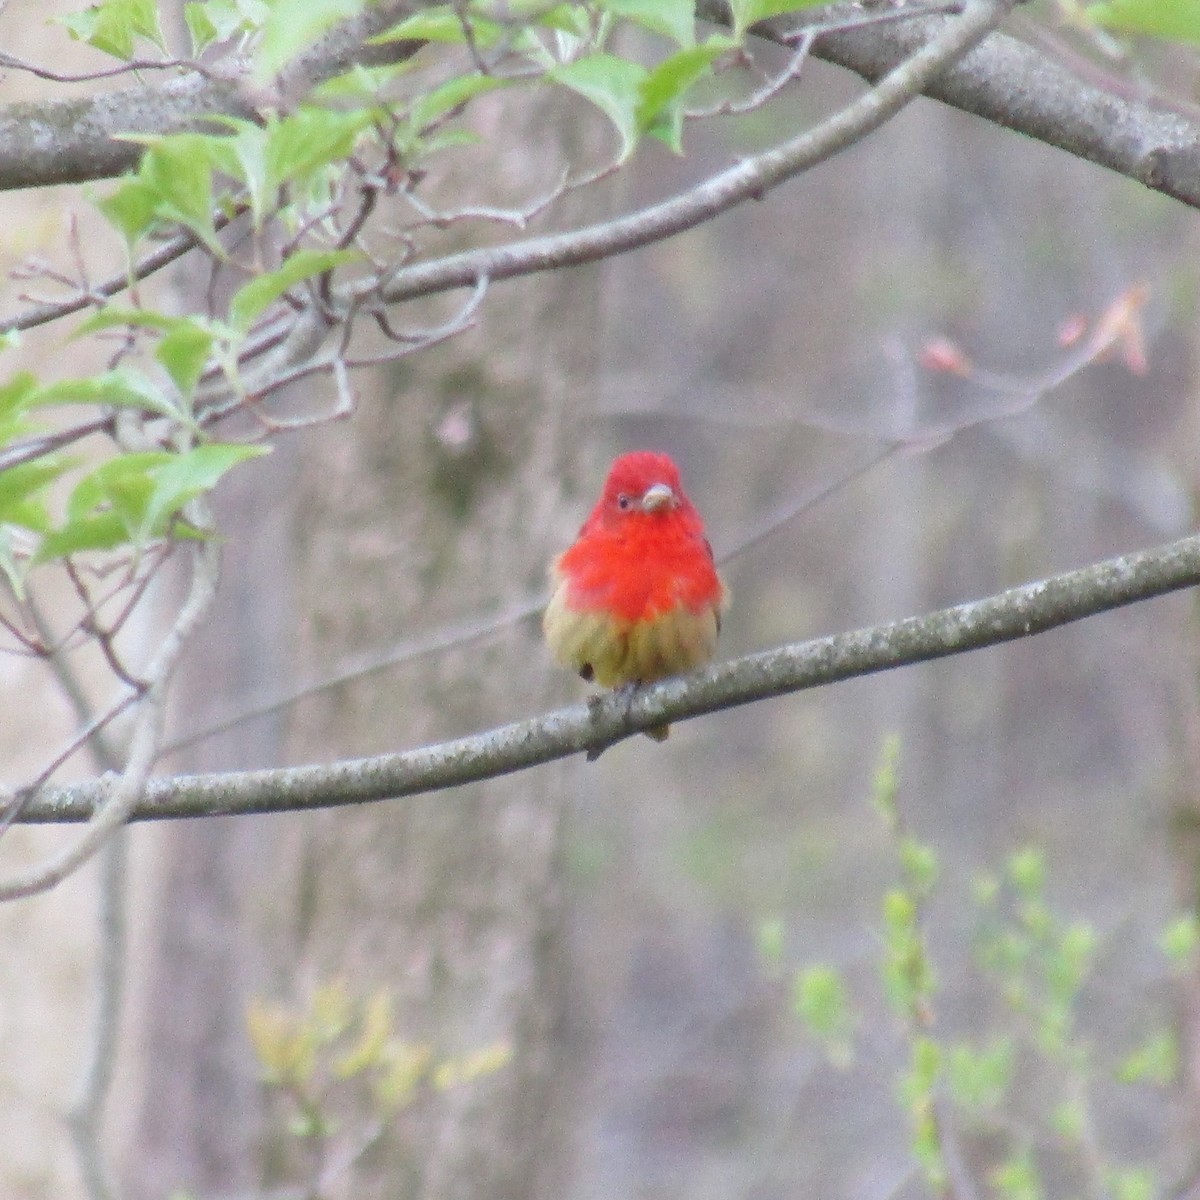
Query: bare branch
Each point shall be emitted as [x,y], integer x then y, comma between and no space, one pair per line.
[123,795]
[750,179]
[86,1115]
[464,633]
[72,141]
[42,313]
[1012,84]
[10,62]
[1017,613]
[19,800]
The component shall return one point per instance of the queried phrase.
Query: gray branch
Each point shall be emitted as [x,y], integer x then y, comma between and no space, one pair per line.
[1004,81]
[749,179]
[73,141]
[1020,612]
[125,792]
[1012,84]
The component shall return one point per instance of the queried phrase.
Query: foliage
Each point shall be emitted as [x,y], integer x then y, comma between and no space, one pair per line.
[298,217]
[346,1076]
[309,219]
[1016,1102]
[291,206]
[1169,19]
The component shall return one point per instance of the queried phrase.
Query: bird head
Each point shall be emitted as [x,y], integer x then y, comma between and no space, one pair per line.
[641,483]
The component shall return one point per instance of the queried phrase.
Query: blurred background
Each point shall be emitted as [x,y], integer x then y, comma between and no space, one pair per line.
[631,928]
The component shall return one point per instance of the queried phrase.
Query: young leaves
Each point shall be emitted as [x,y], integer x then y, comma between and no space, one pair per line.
[133,498]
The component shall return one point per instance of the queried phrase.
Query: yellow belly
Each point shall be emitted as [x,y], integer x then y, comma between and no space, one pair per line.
[619,652]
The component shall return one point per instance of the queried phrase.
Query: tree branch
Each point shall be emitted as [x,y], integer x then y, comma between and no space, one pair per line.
[1019,612]
[72,141]
[1004,81]
[1012,84]
[127,789]
[748,180]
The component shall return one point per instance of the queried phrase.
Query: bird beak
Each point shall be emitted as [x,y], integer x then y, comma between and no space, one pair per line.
[658,496]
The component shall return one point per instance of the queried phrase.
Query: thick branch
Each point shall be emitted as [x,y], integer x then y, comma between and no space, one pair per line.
[1017,613]
[748,180]
[72,141]
[1011,84]
[1004,81]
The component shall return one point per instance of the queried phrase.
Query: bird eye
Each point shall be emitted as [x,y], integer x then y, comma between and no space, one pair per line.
[623,501]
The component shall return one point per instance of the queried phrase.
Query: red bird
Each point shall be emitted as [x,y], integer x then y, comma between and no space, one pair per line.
[636,596]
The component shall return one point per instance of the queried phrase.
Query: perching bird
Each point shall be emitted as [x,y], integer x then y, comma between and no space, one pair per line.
[636,596]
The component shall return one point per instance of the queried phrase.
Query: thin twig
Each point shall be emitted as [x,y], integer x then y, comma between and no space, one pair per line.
[22,797]
[121,797]
[750,179]
[86,1115]
[132,67]
[167,253]
[31,449]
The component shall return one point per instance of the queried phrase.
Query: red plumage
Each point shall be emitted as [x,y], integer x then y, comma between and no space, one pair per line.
[637,596]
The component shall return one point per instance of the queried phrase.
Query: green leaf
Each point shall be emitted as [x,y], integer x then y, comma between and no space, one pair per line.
[16,398]
[444,139]
[122,485]
[248,148]
[105,507]
[919,863]
[103,531]
[10,567]
[820,1000]
[292,150]
[1068,965]
[980,1079]
[132,498]
[442,24]
[770,940]
[675,19]
[187,476]
[19,504]
[250,301]
[112,316]
[750,12]
[763,10]
[663,89]
[309,140]
[121,388]
[18,395]
[132,209]
[360,86]
[1027,871]
[1156,1060]
[177,172]
[212,21]
[1180,939]
[449,96]
[1131,1183]
[184,351]
[899,912]
[1173,20]
[1018,1178]
[114,26]
[614,85]
[1070,1119]
[294,25]
[886,784]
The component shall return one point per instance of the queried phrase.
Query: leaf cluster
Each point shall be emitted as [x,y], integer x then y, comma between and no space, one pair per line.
[345,1072]
[1016,1102]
